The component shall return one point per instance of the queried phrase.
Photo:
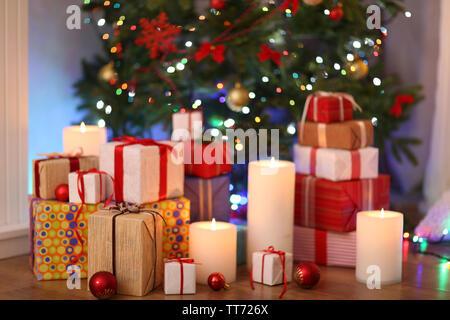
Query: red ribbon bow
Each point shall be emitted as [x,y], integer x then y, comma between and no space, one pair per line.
[287,3]
[119,170]
[181,261]
[282,255]
[81,193]
[216,52]
[267,53]
[400,99]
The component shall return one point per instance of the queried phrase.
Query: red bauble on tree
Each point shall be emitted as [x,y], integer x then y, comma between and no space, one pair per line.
[307,274]
[103,285]
[217,4]
[336,14]
[217,281]
[62,192]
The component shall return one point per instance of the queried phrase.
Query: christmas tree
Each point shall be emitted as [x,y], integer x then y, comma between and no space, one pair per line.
[247,64]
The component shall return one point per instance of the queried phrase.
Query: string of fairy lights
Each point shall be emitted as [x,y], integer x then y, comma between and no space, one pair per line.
[355,51]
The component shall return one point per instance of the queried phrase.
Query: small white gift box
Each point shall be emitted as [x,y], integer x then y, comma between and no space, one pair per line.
[268,268]
[337,164]
[179,276]
[187,125]
[143,170]
[94,187]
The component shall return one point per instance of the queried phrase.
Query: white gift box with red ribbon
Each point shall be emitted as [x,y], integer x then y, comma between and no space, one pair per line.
[94,188]
[179,276]
[268,269]
[187,125]
[336,164]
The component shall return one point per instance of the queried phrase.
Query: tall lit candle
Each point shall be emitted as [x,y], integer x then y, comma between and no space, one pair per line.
[270,215]
[379,236]
[87,137]
[213,245]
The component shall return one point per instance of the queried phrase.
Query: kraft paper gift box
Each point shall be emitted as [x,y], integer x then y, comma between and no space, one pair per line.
[143,173]
[268,269]
[176,213]
[329,205]
[187,125]
[94,188]
[209,198]
[336,164]
[133,253]
[177,270]
[328,109]
[50,173]
[200,159]
[348,135]
[53,238]
[325,247]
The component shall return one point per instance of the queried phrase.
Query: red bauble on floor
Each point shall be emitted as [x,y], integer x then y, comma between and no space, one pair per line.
[103,285]
[307,274]
[217,281]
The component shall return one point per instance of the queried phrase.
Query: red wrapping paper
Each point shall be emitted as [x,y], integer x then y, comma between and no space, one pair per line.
[203,169]
[327,109]
[325,247]
[329,205]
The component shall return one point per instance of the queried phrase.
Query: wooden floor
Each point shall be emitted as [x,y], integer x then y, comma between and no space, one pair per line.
[424,277]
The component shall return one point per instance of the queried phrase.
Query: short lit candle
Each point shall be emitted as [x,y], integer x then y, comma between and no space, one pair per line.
[89,138]
[271,186]
[213,245]
[379,236]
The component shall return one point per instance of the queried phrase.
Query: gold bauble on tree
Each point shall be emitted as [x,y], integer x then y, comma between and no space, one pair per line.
[237,98]
[107,72]
[312,2]
[357,69]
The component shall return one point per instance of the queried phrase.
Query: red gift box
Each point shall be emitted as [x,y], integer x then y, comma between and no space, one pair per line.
[196,162]
[329,109]
[329,205]
[325,247]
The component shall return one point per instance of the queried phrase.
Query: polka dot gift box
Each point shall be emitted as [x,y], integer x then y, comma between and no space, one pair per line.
[53,238]
[176,213]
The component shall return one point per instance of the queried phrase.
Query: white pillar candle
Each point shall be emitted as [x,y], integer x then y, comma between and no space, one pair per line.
[270,215]
[379,236]
[87,137]
[213,245]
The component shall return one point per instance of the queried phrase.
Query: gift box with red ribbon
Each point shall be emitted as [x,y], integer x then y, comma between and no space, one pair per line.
[87,187]
[329,107]
[336,164]
[208,198]
[49,173]
[271,267]
[144,170]
[179,276]
[206,160]
[58,238]
[325,247]
[187,125]
[330,205]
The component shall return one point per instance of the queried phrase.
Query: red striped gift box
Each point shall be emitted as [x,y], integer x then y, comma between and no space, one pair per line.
[329,109]
[330,205]
[325,247]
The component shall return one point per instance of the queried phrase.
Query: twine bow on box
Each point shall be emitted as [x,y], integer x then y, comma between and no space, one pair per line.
[77,152]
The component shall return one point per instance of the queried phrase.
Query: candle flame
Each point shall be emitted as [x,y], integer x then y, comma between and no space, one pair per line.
[272,162]
[83,127]
[213,224]
[382,213]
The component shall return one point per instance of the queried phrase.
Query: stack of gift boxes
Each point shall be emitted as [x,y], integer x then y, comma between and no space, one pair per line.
[130,236]
[337,176]
[207,168]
